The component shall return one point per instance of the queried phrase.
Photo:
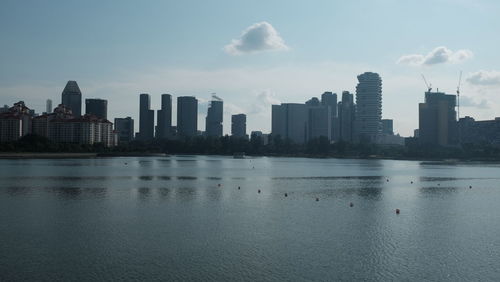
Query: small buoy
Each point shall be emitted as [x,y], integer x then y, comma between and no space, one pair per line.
[125,163]
[286,195]
[439,184]
[317,199]
[258,191]
[239,187]
[387,180]
[218,185]
[470,187]
[351,204]
[411,182]
[397,211]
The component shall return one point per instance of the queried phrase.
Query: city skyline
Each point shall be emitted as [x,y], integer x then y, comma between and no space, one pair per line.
[289,64]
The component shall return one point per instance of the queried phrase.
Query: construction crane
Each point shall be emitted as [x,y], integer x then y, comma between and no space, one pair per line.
[458,94]
[429,86]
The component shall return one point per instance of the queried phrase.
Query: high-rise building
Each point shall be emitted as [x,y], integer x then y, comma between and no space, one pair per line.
[146,118]
[164,116]
[125,129]
[213,125]
[438,119]
[346,117]
[387,127]
[187,116]
[289,121]
[369,106]
[15,123]
[239,125]
[48,106]
[319,122]
[97,107]
[72,98]
[329,99]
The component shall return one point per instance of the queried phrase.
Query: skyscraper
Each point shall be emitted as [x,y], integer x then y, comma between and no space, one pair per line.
[329,99]
[213,125]
[239,125]
[146,118]
[346,117]
[319,122]
[438,119]
[369,106]
[187,116]
[48,106]
[164,122]
[97,107]
[72,98]
[289,121]
[125,129]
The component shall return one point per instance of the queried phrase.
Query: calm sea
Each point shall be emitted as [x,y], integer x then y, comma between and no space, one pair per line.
[202,218]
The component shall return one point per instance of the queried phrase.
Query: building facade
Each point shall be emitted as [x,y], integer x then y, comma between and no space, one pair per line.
[289,120]
[124,127]
[164,118]
[369,106]
[15,123]
[71,97]
[146,118]
[213,125]
[187,116]
[438,119]
[97,107]
[239,126]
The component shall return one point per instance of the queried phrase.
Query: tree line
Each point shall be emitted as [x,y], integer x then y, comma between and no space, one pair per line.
[277,146]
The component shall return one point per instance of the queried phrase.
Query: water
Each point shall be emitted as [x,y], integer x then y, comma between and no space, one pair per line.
[167,218]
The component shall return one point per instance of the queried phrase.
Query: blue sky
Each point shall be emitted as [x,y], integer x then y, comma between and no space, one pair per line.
[118,49]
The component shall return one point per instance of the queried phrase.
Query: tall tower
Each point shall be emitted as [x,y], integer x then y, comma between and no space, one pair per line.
[164,117]
[187,116]
[97,107]
[48,106]
[369,106]
[72,98]
[213,125]
[239,125]
[438,119]
[146,118]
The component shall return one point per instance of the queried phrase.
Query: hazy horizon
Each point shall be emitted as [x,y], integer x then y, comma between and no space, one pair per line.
[251,54]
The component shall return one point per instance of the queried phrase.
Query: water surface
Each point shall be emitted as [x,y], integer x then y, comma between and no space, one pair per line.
[184,218]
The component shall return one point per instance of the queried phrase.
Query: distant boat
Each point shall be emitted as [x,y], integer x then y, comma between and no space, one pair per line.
[239,155]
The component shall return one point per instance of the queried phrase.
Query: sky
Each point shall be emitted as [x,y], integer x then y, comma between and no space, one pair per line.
[251,53]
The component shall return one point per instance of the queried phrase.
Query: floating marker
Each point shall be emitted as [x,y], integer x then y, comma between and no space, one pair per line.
[351,204]
[286,195]
[411,182]
[258,191]
[470,187]
[317,199]
[239,187]
[397,211]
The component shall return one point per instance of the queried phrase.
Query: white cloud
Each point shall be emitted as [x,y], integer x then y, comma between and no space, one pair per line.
[440,55]
[263,101]
[256,38]
[484,78]
[469,102]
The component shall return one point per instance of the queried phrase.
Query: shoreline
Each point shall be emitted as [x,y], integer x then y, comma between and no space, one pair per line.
[34,155]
